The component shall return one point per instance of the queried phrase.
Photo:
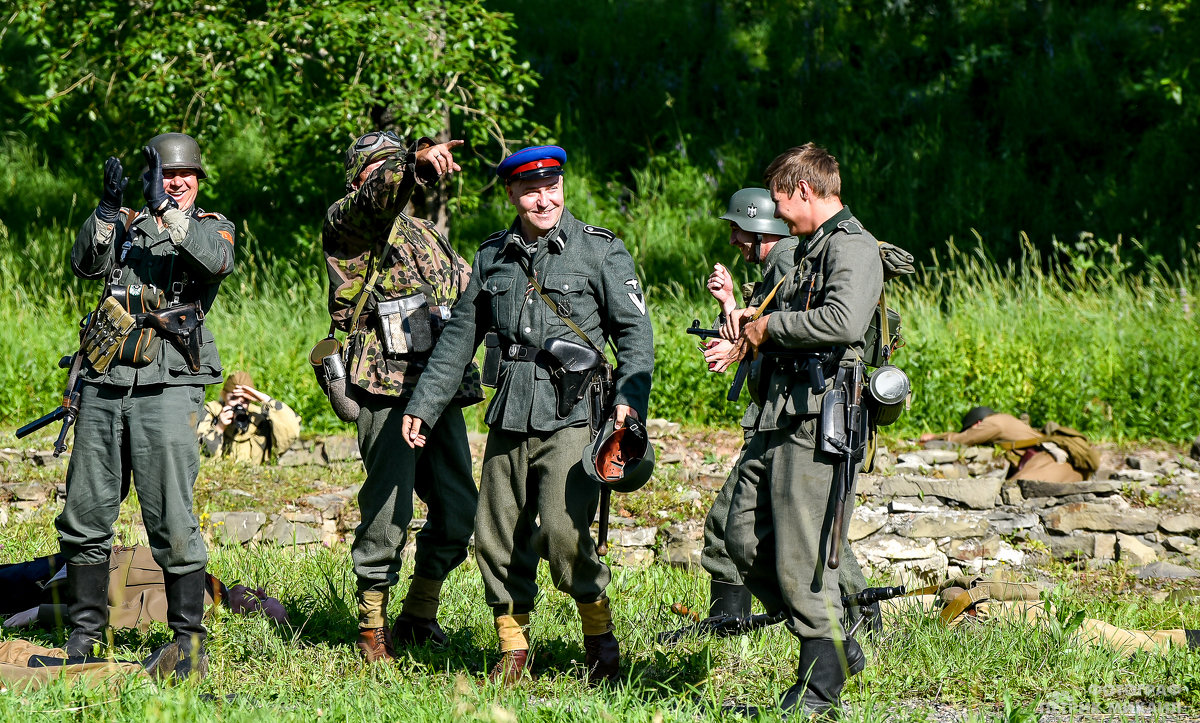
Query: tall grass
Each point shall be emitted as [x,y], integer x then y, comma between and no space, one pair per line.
[1076,336]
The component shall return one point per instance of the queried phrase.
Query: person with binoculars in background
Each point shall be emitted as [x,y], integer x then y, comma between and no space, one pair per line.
[246,425]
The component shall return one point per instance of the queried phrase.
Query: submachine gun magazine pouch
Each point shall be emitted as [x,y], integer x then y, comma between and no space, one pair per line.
[118,333]
[405,325]
[182,326]
[572,366]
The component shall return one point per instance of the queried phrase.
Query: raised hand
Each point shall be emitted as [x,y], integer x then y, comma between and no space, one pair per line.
[114,189]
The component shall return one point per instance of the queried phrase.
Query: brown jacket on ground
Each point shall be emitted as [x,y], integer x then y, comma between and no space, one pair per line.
[1041,465]
[15,671]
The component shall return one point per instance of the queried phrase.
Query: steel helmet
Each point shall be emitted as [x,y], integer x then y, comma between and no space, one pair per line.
[754,212]
[178,150]
[623,459]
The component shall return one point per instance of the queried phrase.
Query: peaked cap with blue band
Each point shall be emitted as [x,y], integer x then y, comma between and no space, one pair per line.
[532,162]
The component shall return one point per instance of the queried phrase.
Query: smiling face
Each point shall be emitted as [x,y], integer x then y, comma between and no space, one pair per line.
[793,209]
[743,241]
[539,203]
[181,184]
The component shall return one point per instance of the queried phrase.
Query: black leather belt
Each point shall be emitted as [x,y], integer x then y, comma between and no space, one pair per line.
[518,352]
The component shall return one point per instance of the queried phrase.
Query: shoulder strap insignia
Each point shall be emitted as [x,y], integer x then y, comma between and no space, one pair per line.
[850,226]
[201,213]
[599,231]
[496,237]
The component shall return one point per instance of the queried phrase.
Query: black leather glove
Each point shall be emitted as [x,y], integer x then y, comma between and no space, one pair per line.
[152,184]
[114,189]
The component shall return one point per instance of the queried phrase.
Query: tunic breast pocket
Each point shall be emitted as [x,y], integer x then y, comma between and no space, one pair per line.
[504,301]
[566,291]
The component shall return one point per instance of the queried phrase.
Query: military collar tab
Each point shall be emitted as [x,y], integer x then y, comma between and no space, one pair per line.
[830,224]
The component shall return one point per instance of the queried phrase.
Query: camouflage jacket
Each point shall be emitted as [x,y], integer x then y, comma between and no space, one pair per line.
[586,271]
[418,258]
[827,300]
[146,254]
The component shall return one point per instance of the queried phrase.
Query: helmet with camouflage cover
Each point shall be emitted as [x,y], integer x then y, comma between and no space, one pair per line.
[754,212]
[178,150]
[368,148]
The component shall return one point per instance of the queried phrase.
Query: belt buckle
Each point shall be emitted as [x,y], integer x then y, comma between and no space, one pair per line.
[514,352]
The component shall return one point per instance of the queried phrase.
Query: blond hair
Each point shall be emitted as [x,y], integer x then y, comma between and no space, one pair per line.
[810,163]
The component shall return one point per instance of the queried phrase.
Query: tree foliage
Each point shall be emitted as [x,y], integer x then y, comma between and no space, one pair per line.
[274,91]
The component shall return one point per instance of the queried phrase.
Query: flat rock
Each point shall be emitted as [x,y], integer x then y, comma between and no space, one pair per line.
[937,456]
[1180,543]
[298,457]
[944,524]
[1011,494]
[683,553]
[657,427]
[1037,488]
[891,547]
[915,504]
[1070,547]
[1006,523]
[1135,475]
[630,556]
[1097,516]
[963,550]
[1141,463]
[284,532]
[1106,547]
[979,494]
[634,537]
[1132,551]
[920,572]
[1185,524]
[29,491]
[236,528]
[341,449]
[1165,571]
[866,521]
[979,454]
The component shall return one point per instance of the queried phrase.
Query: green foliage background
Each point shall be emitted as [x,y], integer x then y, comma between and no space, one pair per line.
[1059,139]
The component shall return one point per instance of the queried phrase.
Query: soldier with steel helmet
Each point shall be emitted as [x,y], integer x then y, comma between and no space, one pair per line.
[143,391]
[548,278]
[764,241]
[392,281]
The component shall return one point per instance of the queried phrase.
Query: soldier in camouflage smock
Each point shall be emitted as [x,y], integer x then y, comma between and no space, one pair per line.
[138,417]
[536,500]
[780,515]
[369,242]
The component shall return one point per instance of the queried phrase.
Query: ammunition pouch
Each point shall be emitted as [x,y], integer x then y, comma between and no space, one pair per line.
[117,333]
[182,326]
[573,369]
[407,326]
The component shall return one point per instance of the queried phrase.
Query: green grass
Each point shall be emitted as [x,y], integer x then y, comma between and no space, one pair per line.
[310,669]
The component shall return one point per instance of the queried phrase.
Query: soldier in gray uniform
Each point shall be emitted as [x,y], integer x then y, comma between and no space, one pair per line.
[535,500]
[764,241]
[138,416]
[780,515]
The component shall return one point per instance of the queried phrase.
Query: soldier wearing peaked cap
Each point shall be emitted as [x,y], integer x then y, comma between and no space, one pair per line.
[392,281]
[142,398]
[536,500]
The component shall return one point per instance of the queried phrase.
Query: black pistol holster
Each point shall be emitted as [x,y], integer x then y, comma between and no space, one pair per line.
[573,368]
[182,326]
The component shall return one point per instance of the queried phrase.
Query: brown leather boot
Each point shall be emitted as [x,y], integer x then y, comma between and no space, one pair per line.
[603,658]
[410,630]
[511,668]
[375,644]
